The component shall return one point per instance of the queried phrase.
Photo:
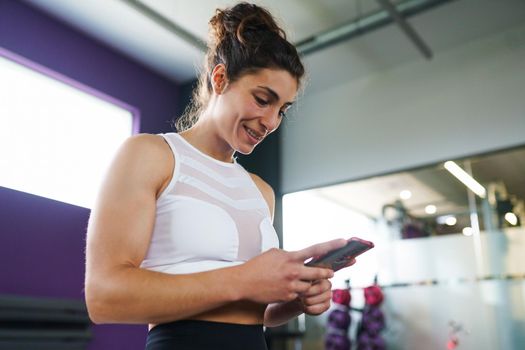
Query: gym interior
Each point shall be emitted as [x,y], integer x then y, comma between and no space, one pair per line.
[409,132]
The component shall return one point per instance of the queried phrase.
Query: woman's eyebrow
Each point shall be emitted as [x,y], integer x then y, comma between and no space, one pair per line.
[274,94]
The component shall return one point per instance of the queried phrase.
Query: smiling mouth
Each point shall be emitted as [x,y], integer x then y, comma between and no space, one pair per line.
[254,134]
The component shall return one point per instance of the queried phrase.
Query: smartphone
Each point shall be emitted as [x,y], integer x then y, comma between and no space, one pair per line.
[339,258]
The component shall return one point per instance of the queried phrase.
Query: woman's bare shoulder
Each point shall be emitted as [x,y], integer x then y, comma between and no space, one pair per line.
[147,154]
[147,142]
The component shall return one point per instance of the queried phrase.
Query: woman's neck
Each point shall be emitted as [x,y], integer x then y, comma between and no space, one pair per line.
[207,140]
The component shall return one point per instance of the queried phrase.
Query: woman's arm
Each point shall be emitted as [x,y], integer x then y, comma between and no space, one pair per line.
[120,227]
[313,301]
[119,230]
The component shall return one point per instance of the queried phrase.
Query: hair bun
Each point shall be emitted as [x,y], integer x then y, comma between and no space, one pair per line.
[244,38]
[242,21]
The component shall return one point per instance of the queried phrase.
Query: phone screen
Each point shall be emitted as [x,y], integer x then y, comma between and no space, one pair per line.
[339,258]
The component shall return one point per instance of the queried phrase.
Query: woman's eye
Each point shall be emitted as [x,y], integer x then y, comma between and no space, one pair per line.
[261,101]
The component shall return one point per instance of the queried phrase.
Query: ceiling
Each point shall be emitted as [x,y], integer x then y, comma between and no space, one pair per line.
[122,27]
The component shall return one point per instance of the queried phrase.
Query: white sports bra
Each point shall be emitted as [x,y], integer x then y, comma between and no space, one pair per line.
[211,215]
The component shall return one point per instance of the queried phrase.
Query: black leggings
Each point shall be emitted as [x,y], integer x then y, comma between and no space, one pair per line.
[204,335]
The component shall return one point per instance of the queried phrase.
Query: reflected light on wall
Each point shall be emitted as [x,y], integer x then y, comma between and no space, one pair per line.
[451,221]
[309,218]
[465,178]
[468,231]
[430,209]
[511,218]
[405,194]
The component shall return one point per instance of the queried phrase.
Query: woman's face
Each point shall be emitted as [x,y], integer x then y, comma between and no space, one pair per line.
[253,106]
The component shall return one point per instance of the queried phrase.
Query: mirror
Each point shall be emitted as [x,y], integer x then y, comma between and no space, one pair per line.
[432,201]
[443,252]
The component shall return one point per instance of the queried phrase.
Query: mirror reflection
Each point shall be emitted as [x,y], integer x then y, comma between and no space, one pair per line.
[440,199]
[449,244]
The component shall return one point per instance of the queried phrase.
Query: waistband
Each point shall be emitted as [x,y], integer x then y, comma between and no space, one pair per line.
[204,335]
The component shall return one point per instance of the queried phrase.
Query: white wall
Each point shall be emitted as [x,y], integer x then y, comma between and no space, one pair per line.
[465,101]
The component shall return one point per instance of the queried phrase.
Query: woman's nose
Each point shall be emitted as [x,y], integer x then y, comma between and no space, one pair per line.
[271,120]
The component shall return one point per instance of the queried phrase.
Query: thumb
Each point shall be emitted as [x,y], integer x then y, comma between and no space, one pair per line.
[319,249]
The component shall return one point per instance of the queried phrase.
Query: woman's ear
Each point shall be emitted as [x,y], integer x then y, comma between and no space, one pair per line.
[219,78]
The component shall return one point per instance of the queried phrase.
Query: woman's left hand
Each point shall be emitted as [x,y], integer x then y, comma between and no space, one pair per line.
[317,298]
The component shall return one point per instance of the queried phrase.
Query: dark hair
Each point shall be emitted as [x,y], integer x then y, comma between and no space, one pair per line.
[245,38]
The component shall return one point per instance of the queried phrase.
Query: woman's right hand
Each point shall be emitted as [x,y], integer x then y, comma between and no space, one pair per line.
[280,276]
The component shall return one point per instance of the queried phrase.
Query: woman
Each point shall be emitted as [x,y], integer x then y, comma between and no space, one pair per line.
[181,235]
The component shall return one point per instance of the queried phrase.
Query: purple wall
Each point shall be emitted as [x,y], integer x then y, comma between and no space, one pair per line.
[42,241]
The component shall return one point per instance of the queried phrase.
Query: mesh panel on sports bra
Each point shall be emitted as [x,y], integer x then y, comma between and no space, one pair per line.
[211,211]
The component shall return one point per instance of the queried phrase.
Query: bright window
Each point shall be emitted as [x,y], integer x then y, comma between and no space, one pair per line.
[308,218]
[56,139]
